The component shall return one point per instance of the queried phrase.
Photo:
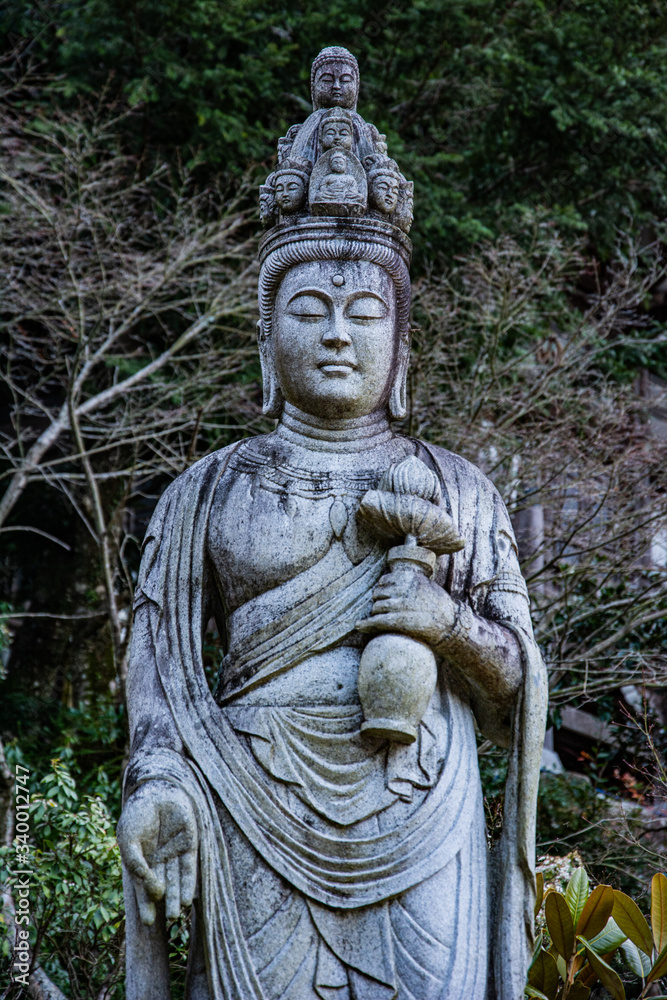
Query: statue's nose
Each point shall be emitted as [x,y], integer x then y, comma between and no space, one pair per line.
[336,334]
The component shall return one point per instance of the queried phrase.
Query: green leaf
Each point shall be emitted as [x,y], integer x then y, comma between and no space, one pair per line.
[659,968]
[596,912]
[559,923]
[609,939]
[577,893]
[562,968]
[609,979]
[543,975]
[636,960]
[532,992]
[578,992]
[539,891]
[659,911]
[627,915]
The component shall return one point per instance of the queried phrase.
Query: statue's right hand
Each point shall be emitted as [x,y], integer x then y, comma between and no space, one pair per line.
[157,836]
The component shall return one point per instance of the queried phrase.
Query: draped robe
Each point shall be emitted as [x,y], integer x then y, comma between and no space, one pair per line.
[355,843]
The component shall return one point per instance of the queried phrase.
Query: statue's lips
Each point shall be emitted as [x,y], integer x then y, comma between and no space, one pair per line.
[337,367]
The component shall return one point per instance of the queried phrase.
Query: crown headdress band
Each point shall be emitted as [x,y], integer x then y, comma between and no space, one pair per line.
[326,239]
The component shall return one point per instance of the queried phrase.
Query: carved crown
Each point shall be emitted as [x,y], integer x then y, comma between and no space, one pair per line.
[335,166]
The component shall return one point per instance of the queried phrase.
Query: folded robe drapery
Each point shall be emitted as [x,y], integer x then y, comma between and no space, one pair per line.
[325,602]
[342,873]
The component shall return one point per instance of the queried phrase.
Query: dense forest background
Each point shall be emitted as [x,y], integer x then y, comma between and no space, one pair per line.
[133,136]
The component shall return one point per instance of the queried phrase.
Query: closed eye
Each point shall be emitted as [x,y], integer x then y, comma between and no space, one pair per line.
[308,308]
[366,308]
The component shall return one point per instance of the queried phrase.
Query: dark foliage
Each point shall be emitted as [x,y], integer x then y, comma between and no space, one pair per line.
[494,108]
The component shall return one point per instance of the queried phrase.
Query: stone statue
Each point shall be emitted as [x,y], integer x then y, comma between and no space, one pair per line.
[336,129]
[384,188]
[291,184]
[336,124]
[321,808]
[338,184]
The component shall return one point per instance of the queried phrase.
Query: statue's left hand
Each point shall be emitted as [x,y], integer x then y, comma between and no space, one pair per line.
[410,603]
[157,836]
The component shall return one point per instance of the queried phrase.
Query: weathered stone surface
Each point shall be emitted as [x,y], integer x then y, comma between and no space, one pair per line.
[322,807]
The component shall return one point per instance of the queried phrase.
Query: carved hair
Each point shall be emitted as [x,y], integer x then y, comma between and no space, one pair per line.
[377,166]
[291,167]
[286,246]
[336,115]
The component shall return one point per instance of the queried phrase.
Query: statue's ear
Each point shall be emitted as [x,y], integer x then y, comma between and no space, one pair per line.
[273,397]
[398,399]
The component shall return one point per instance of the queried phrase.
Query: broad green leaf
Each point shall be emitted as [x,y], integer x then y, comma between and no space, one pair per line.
[659,911]
[577,893]
[627,915]
[532,992]
[562,968]
[659,968]
[609,979]
[636,960]
[578,992]
[596,911]
[559,923]
[538,946]
[609,939]
[543,975]
[539,891]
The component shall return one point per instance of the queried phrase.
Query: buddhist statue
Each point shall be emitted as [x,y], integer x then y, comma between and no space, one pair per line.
[320,808]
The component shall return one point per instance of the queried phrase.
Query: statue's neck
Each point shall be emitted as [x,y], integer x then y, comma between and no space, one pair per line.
[329,435]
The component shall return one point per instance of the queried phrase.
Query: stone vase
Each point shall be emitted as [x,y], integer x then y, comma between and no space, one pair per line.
[397,674]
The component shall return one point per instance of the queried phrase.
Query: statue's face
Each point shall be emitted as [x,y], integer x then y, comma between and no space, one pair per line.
[335,86]
[385,192]
[337,134]
[334,337]
[290,190]
[338,163]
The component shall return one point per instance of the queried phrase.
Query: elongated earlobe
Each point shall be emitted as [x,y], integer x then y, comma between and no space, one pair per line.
[273,398]
[398,398]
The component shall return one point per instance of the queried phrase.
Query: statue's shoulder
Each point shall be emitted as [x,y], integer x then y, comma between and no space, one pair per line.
[210,468]
[200,471]
[199,477]
[456,469]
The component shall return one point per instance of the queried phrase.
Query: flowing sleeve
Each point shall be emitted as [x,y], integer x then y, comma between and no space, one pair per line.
[173,562]
[503,598]
[155,745]
[491,584]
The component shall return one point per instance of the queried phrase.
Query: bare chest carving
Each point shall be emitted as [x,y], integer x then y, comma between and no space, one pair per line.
[275,521]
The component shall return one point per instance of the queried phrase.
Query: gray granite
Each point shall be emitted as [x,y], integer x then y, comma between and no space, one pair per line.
[321,809]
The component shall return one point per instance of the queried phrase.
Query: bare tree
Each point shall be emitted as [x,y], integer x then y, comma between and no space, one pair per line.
[515,372]
[127,298]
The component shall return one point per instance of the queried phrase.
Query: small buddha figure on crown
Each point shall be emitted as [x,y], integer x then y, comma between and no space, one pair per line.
[336,130]
[291,184]
[384,182]
[339,185]
[334,79]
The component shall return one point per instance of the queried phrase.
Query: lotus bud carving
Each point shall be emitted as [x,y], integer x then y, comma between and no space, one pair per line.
[406,506]
[412,476]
